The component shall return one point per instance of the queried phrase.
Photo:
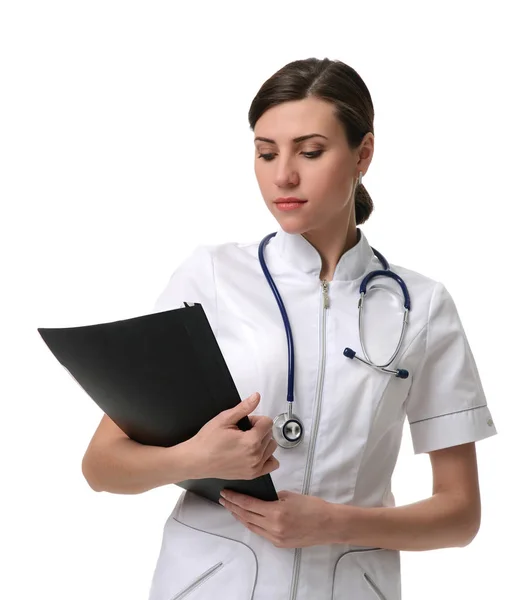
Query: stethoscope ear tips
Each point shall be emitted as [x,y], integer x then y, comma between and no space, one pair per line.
[400,373]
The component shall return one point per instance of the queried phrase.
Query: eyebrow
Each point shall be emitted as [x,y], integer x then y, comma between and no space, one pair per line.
[295,140]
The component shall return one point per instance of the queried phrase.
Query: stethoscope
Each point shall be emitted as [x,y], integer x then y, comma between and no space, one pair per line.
[288,429]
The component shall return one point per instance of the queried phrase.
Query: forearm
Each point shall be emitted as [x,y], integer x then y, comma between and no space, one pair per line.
[441,521]
[127,467]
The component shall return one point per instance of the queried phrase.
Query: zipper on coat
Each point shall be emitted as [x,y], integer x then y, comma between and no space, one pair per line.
[325,293]
[374,587]
[191,587]
[312,443]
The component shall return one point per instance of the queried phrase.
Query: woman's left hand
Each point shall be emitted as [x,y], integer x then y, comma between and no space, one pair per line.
[292,521]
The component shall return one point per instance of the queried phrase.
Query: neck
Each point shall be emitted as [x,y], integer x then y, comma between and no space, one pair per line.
[332,242]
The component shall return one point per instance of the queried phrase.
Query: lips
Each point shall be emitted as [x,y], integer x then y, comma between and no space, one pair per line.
[289,204]
[288,200]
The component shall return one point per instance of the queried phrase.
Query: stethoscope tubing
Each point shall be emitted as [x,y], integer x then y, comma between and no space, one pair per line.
[287,325]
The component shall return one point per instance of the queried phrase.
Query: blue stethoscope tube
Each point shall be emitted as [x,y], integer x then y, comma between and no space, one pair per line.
[288,430]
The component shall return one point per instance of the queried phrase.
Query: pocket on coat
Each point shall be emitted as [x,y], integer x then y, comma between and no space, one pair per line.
[199,565]
[367,575]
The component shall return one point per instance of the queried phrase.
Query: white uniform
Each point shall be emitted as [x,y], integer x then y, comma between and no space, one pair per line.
[353,414]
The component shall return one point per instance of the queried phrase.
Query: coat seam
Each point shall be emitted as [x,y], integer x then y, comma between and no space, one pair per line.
[400,358]
[215,293]
[455,412]
[231,540]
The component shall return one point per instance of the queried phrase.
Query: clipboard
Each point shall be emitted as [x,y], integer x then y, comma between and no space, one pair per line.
[160,377]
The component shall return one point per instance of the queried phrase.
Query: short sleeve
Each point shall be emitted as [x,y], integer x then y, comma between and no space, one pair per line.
[193,281]
[446,405]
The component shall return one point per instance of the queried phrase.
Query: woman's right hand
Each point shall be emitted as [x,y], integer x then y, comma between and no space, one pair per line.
[224,451]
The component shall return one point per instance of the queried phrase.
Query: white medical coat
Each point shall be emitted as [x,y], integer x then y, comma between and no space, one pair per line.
[353,414]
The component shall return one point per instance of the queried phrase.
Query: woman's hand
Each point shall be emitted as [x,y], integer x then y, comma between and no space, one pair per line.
[220,449]
[292,521]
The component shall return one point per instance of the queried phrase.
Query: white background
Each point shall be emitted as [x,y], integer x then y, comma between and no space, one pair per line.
[125,143]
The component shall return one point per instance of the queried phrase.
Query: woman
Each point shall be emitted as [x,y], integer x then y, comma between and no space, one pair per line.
[334,532]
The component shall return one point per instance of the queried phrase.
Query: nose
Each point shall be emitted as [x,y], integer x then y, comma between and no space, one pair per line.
[286,175]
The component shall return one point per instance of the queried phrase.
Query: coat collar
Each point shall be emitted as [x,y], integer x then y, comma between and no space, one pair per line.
[295,250]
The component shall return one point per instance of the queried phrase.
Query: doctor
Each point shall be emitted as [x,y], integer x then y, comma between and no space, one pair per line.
[335,380]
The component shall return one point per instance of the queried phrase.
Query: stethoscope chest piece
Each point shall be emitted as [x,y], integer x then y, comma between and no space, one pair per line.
[288,431]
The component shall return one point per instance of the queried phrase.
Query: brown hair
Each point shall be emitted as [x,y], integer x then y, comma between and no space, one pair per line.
[335,82]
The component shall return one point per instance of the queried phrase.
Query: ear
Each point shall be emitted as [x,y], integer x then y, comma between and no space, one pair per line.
[365,152]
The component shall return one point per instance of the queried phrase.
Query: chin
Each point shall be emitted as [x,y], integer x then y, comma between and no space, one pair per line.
[296,226]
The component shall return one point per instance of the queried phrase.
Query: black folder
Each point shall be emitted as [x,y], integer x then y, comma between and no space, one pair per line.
[160,377]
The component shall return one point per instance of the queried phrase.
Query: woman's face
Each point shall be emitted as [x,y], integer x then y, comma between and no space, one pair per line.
[321,170]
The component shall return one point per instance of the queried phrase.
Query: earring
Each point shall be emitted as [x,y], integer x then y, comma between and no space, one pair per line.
[359,178]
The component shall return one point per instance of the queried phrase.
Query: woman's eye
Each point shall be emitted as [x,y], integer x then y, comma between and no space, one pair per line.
[313,154]
[310,155]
